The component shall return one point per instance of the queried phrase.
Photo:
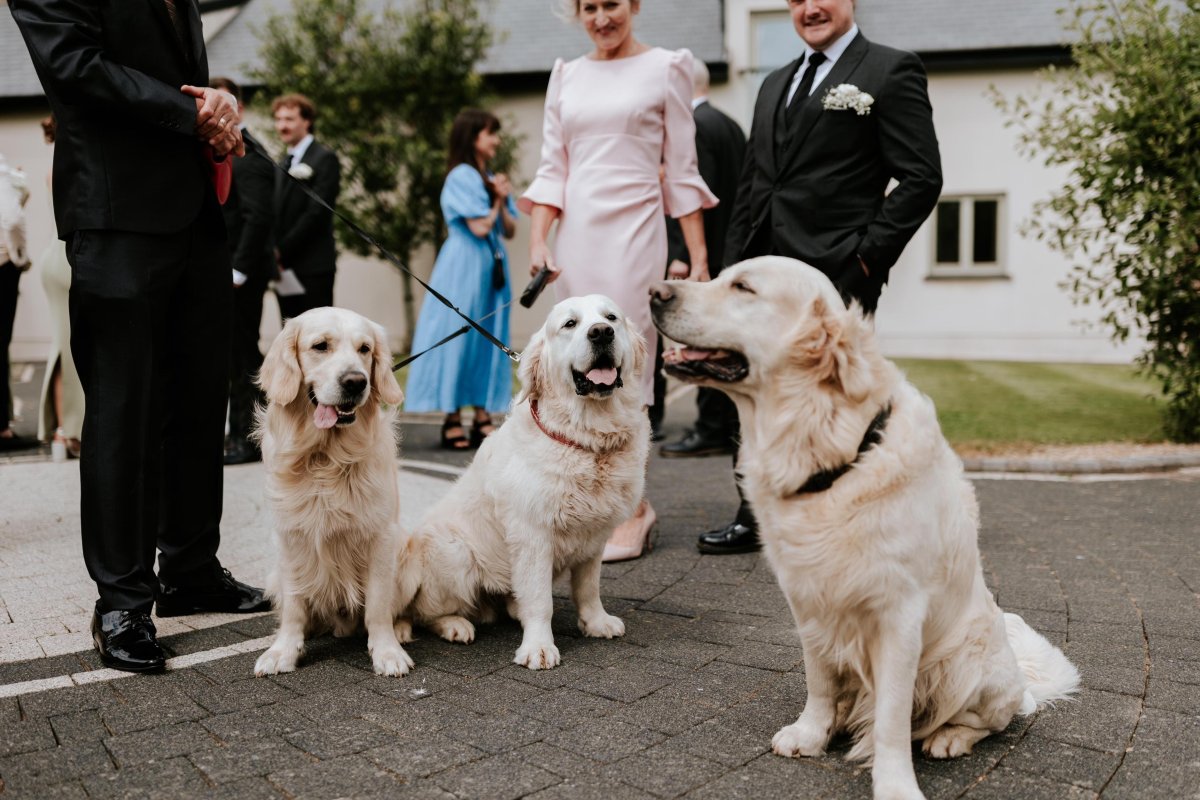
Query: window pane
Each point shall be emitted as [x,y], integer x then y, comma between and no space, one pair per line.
[986,218]
[948,231]
[775,41]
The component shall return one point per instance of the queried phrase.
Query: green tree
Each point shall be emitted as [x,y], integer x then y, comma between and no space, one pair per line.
[1123,120]
[387,87]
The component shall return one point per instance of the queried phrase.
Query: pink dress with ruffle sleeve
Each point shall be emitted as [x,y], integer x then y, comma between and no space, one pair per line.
[608,126]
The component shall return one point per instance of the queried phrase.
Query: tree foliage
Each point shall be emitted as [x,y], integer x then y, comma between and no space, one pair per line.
[1124,121]
[387,87]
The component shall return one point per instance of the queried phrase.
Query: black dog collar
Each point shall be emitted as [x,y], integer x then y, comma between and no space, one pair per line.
[820,481]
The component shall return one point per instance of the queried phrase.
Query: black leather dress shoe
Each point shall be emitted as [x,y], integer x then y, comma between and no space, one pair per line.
[127,640]
[733,538]
[224,594]
[241,451]
[696,445]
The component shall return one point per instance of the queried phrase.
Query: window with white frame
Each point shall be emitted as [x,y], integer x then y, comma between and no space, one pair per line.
[968,239]
[774,44]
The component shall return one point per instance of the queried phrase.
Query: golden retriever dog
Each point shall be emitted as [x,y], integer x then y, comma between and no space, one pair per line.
[866,519]
[544,491]
[329,448]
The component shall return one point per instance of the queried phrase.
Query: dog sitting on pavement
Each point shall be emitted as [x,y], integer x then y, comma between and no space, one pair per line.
[866,519]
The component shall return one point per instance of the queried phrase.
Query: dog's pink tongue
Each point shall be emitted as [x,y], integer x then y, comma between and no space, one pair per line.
[325,417]
[603,377]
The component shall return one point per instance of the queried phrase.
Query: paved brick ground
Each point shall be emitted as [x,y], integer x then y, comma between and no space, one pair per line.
[684,705]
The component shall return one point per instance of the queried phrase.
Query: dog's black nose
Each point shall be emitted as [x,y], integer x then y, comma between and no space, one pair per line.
[661,293]
[600,333]
[353,383]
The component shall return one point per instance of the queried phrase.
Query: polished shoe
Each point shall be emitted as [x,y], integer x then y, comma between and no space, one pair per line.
[127,640]
[733,538]
[221,595]
[697,445]
[241,451]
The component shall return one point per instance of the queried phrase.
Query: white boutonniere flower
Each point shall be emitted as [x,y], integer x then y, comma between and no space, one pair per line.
[848,97]
[301,171]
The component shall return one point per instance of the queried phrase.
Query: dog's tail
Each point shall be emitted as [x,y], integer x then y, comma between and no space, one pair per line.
[1049,676]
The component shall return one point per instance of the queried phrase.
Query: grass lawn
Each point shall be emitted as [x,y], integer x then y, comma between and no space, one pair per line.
[991,404]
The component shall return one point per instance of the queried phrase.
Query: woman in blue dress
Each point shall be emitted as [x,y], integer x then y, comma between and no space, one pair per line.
[472,272]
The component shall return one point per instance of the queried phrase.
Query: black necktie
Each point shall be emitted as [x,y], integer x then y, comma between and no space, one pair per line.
[806,82]
[176,21]
[286,162]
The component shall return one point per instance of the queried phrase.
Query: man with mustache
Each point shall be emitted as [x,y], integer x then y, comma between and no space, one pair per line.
[831,130]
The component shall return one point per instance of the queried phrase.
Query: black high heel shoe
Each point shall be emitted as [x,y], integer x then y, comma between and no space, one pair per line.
[459,442]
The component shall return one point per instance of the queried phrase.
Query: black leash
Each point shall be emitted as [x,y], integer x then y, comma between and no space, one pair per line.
[387,254]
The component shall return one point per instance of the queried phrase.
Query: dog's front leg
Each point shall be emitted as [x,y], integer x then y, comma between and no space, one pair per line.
[387,656]
[809,735]
[585,591]
[289,641]
[894,655]
[532,581]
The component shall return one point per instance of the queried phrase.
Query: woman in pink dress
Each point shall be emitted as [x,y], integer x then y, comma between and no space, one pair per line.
[613,118]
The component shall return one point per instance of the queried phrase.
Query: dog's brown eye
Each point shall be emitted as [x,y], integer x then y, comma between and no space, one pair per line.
[322,346]
[741,287]
[364,349]
[611,317]
[570,323]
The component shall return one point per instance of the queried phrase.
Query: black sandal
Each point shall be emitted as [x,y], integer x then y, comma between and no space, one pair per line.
[459,442]
[477,433]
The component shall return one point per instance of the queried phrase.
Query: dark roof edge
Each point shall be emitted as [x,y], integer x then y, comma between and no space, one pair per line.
[997,58]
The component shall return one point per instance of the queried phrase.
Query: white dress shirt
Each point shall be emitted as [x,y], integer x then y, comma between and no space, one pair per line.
[832,54]
[297,152]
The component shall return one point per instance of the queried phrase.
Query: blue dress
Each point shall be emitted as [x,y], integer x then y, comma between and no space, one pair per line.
[469,370]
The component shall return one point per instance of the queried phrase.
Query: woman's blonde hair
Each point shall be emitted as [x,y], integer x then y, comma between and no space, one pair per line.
[570,8]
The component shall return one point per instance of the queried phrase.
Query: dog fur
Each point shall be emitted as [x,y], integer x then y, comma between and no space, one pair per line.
[333,490]
[529,507]
[902,640]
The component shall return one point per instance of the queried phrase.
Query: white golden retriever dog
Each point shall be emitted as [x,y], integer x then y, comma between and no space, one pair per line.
[867,522]
[543,493]
[329,448]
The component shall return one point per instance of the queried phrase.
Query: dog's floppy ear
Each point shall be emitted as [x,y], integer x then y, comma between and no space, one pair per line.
[829,346]
[280,374]
[532,373]
[383,380]
[639,348]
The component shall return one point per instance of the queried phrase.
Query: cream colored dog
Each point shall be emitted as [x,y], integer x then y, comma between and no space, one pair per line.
[329,447]
[866,519]
[544,492]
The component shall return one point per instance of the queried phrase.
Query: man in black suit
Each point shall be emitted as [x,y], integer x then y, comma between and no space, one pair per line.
[720,151]
[150,302]
[819,163]
[247,214]
[303,229]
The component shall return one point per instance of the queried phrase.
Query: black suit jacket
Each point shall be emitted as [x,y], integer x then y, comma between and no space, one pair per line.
[248,214]
[720,151]
[126,157]
[823,194]
[303,229]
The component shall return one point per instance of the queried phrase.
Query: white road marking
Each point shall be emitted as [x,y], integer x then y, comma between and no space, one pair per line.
[104,675]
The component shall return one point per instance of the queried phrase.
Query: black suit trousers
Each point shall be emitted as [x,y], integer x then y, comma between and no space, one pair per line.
[245,357]
[318,293]
[150,322]
[10,279]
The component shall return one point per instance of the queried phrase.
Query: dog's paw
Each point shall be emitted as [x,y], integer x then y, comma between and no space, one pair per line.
[454,629]
[537,656]
[276,660]
[404,630]
[800,739]
[602,626]
[391,660]
[950,741]
[896,789]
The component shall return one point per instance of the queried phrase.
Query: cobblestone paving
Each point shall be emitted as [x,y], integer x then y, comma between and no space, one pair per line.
[684,705]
